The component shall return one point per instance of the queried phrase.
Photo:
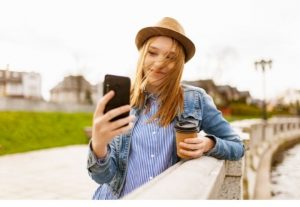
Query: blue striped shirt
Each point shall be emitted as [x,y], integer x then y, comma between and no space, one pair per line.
[150,152]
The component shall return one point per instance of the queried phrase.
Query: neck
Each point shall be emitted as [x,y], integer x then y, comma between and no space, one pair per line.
[151,89]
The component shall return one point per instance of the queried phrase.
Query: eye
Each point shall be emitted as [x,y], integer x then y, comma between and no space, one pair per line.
[151,53]
[171,57]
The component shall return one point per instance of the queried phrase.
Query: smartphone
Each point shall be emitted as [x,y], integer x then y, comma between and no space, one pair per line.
[121,86]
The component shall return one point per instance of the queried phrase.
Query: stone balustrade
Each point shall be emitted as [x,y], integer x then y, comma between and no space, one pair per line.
[265,138]
[202,178]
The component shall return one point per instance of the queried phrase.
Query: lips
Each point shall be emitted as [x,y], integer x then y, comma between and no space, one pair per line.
[158,72]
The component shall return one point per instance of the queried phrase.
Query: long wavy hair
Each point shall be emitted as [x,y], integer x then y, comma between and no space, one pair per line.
[168,92]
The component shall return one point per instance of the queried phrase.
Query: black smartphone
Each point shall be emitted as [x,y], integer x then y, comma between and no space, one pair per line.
[121,86]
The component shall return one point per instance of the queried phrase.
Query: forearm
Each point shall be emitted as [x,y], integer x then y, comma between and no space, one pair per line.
[225,149]
[101,170]
[228,144]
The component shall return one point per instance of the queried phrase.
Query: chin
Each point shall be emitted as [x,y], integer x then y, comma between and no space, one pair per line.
[154,82]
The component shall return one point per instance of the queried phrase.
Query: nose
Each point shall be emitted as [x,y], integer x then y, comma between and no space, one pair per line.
[157,65]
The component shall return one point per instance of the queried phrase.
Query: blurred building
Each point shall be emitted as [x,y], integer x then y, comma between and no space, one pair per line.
[233,94]
[97,92]
[74,89]
[20,84]
[222,95]
[245,97]
[230,93]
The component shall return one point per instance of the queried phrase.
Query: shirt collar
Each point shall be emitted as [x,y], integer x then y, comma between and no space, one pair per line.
[150,96]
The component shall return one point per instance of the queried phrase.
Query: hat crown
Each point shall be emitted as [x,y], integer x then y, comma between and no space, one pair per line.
[172,24]
[167,27]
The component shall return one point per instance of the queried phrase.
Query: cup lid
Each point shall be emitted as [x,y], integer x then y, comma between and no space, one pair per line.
[186,126]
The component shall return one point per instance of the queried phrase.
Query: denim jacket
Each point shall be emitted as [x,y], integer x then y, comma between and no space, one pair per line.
[199,107]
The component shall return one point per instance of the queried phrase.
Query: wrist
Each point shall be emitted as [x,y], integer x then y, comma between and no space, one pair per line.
[210,143]
[100,149]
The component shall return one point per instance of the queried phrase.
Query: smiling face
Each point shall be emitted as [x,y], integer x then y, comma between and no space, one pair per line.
[159,61]
[159,71]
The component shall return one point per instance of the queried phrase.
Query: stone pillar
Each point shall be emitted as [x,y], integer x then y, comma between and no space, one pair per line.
[231,188]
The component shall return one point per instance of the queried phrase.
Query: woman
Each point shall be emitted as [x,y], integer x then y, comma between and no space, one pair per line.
[123,157]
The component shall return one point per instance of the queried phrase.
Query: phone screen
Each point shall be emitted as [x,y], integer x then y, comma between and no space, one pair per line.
[121,86]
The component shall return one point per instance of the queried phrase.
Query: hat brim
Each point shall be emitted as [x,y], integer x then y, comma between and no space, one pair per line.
[148,32]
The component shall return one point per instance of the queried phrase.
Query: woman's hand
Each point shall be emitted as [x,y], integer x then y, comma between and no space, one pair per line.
[103,130]
[195,147]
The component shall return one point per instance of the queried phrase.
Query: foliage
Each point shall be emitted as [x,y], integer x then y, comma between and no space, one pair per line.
[242,109]
[25,131]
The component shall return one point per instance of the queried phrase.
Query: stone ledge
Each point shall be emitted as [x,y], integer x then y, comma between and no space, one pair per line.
[233,168]
[200,178]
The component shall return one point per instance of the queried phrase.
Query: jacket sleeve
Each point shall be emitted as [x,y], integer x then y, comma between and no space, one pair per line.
[102,170]
[228,144]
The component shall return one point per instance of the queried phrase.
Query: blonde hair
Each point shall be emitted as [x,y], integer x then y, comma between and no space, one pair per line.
[169,92]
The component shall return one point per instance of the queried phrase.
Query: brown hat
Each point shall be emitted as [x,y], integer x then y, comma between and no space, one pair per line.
[167,27]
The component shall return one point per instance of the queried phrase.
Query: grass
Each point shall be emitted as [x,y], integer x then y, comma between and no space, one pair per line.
[26,131]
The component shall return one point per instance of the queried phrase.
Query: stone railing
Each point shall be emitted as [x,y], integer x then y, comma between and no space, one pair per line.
[264,140]
[202,178]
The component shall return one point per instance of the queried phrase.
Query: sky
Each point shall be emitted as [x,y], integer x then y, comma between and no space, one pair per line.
[57,38]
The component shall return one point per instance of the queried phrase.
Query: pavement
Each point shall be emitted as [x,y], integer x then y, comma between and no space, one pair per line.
[56,173]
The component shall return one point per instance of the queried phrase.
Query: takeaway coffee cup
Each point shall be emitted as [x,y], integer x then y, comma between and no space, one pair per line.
[184,130]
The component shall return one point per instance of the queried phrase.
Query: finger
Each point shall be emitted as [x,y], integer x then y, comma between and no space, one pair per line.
[191,154]
[121,122]
[116,112]
[195,140]
[191,146]
[122,130]
[102,103]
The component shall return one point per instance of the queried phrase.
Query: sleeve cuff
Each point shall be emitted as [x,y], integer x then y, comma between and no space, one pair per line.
[92,160]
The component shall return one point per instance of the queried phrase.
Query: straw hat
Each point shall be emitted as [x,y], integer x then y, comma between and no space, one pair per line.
[167,27]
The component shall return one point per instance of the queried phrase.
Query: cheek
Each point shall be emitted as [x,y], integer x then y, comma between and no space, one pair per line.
[148,61]
[170,67]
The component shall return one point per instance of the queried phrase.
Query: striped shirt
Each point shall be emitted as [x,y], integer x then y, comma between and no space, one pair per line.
[150,152]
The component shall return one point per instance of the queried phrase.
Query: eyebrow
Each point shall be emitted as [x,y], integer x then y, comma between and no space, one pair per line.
[155,48]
